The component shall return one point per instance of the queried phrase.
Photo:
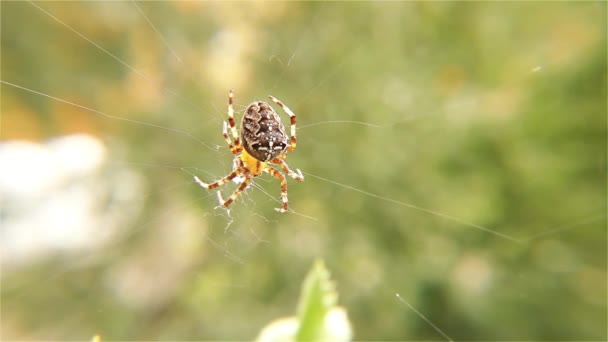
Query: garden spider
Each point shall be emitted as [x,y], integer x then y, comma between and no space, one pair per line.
[264,143]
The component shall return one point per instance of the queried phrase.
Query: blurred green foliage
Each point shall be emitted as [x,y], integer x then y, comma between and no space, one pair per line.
[487,113]
[318,319]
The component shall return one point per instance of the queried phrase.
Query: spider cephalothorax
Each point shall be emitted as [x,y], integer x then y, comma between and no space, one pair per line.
[264,142]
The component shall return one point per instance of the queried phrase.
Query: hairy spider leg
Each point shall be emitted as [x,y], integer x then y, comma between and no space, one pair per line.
[283,181]
[218,183]
[233,148]
[234,195]
[292,117]
[298,176]
[235,134]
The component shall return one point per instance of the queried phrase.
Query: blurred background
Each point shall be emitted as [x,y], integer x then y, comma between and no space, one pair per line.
[454,154]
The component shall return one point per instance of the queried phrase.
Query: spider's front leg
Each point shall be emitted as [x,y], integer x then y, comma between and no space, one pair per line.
[218,183]
[223,181]
[283,181]
[234,195]
[298,176]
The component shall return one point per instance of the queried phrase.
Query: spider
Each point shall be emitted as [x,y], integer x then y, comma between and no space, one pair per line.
[265,143]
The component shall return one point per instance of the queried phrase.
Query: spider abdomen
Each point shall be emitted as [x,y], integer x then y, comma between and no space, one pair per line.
[262,132]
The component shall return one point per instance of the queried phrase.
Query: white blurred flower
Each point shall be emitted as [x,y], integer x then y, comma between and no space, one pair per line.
[59,196]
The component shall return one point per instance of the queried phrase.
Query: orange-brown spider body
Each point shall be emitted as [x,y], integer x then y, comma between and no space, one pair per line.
[263,133]
[264,143]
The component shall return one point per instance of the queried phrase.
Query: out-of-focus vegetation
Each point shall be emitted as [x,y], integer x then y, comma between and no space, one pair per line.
[318,319]
[454,153]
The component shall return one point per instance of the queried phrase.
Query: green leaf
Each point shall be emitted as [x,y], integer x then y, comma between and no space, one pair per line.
[317,299]
[318,319]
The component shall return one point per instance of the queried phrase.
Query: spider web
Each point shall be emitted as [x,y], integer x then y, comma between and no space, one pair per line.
[167,127]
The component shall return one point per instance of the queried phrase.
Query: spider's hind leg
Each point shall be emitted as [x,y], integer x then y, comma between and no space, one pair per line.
[234,149]
[235,135]
[292,118]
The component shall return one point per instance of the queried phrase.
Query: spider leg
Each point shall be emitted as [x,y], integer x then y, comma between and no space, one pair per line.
[235,134]
[233,148]
[281,178]
[295,175]
[235,194]
[218,183]
[292,117]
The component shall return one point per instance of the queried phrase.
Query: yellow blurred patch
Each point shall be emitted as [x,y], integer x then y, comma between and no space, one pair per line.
[19,123]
